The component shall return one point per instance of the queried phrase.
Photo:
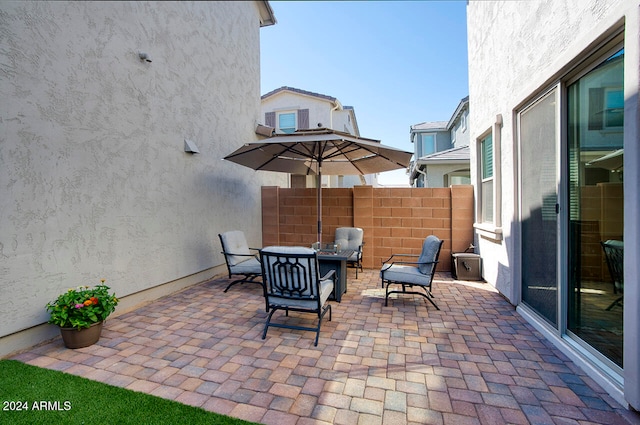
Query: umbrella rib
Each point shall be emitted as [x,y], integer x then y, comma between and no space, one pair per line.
[284,150]
[354,162]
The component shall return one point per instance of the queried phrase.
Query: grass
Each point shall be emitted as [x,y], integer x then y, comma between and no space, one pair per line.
[52,397]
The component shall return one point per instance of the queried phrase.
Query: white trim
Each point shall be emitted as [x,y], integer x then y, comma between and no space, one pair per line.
[286,112]
[488,230]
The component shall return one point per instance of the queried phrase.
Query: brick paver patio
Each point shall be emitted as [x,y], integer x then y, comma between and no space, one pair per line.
[476,361]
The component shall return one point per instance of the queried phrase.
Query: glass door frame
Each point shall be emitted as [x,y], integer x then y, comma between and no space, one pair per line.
[561,290]
[606,365]
[560,331]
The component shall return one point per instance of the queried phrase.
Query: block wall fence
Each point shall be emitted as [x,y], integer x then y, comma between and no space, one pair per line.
[394,220]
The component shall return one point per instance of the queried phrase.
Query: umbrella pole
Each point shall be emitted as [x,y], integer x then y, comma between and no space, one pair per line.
[319,203]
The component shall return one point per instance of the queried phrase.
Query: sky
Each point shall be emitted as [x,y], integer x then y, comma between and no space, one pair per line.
[398,63]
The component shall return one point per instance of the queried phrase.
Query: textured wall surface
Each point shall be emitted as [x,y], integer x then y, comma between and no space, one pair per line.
[94,180]
[517,50]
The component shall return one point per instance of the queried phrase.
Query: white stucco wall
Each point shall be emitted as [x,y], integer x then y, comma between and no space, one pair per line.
[516,49]
[94,180]
[342,122]
[319,109]
[528,45]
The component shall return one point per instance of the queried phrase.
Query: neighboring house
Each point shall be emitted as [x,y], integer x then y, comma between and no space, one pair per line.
[441,150]
[555,162]
[95,178]
[288,109]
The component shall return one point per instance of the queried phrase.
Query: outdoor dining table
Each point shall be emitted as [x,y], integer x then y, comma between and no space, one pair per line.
[329,260]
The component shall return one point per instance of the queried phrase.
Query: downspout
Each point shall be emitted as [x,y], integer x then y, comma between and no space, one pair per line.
[335,108]
[426,182]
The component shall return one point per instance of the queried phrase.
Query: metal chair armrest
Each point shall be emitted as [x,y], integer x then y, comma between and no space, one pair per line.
[399,255]
[331,274]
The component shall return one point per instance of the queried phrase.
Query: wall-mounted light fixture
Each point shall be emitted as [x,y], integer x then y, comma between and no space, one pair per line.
[144,56]
[190,147]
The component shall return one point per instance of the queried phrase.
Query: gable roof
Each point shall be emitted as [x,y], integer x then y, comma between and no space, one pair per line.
[266,14]
[443,125]
[431,125]
[299,91]
[462,106]
[459,154]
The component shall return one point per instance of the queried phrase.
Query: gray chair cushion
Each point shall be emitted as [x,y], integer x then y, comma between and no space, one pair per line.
[407,274]
[429,251]
[326,288]
[235,243]
[349,237]
[249,266]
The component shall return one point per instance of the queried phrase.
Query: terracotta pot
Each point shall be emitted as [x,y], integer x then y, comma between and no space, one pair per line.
[78,338]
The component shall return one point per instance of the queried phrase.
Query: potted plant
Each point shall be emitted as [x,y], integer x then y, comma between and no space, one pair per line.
[80,313]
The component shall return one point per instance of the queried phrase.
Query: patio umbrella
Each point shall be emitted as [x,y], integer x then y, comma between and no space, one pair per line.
[318,151]
[613,161]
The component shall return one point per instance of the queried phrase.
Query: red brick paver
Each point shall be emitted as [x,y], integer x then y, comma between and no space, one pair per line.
[476,361]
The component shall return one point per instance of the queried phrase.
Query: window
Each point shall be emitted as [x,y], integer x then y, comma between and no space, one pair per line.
[486,169]
[287,122]
[428,144]
[613,107]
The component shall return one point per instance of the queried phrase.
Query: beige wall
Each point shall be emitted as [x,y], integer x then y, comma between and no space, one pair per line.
[319,109]
[94,180]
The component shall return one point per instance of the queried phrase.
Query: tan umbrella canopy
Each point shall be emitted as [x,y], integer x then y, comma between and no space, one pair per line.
[314,152]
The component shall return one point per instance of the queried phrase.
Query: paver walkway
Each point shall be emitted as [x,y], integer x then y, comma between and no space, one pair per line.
[476,361]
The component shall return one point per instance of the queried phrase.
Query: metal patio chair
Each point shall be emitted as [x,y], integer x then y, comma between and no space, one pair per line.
[293,283]
[415,277]
[351,238]
[614,254]
[240,261]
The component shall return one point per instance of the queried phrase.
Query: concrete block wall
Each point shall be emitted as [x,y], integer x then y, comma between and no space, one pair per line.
[394,220]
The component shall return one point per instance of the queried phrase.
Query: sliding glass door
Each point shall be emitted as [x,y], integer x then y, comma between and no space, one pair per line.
[572,251]
[595,106]
[538,201]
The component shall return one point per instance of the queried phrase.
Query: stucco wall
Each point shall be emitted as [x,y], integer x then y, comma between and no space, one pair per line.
[516,50]
[319,109]
[94,180]
[529,44]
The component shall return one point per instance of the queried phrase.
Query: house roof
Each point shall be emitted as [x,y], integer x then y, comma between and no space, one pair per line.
[266,14]
[464,104]
[432,125]
[443,125]
[459,154]
[299,91]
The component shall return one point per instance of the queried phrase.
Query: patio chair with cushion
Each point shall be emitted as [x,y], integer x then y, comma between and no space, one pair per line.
[415,277]
[614,254]
[293,283]
[351,238]
[240,261]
